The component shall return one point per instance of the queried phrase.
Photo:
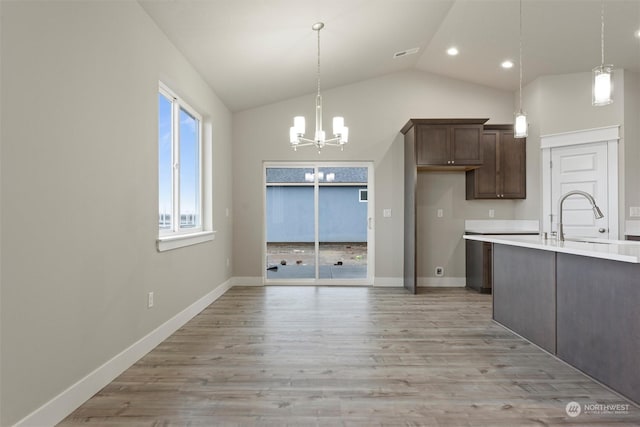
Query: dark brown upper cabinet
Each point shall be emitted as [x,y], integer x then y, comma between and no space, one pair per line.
[503,173]
[446,144]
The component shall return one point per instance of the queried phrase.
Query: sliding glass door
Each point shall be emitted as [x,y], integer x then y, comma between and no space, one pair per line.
[318,223]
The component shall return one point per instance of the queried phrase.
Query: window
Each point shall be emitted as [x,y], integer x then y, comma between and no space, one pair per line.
[363,195]
[180,169]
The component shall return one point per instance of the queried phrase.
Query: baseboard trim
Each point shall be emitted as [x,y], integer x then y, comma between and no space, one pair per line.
[442,282]
[388,282]
[247,281]
[66,402]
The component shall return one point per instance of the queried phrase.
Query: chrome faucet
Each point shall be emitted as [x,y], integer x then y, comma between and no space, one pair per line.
[597,213]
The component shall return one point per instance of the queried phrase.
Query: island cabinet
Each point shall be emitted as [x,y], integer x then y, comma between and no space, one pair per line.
[578,301]
[503,172]
[524,293]
[598,320]
[446,144]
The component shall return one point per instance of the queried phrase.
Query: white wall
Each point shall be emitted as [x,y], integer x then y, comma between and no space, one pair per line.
[375,110]
[79,192]
[562,103]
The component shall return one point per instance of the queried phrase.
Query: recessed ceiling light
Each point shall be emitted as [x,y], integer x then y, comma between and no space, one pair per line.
[452,51]
[507,64]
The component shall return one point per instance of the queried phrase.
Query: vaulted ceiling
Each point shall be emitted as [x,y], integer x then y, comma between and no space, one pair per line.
[255,52]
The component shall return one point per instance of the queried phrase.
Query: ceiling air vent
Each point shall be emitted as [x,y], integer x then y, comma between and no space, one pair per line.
[406,52]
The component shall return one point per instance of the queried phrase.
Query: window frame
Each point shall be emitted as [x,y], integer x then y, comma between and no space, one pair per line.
[362,191]
[178,236]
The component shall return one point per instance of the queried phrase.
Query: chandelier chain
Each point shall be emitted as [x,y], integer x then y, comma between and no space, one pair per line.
[319,62]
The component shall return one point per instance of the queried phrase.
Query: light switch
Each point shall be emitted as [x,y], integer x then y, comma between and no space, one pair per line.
[440,213]
[634,211]
[386,213]
[492,213]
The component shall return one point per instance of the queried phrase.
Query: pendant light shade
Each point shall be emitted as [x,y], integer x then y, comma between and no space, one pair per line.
[602,87]
[521,126]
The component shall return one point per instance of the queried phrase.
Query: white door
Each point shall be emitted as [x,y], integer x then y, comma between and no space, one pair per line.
[580,167]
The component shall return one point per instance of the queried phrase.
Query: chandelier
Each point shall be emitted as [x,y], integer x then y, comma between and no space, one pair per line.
[297,131]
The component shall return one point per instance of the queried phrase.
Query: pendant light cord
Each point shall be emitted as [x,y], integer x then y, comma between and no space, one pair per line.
[602,30]
[521,55]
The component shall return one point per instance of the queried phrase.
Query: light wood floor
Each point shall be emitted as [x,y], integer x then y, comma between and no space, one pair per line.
[327,356]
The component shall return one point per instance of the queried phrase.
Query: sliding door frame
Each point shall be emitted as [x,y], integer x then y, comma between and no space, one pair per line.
[368,281]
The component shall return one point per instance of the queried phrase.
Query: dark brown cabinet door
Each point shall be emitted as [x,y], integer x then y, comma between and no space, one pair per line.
[478,265]
[485,178]
[464,145]
[448,145]
[432,145]
[503,172]
[512,167]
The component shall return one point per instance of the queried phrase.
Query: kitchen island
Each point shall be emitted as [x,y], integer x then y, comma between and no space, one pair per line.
[578,300]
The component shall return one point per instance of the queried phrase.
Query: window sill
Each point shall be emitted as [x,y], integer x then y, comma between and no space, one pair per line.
[167,243]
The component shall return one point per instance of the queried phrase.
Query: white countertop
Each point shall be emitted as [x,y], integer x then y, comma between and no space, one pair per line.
[501,226]
[619,250]
[632,227]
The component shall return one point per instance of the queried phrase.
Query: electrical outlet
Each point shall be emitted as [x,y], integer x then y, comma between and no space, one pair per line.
[386,213]
[440,213]
[492,213]
[439,271]
[150,300]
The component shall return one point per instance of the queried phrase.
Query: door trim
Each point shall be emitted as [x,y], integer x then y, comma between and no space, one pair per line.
[609,135]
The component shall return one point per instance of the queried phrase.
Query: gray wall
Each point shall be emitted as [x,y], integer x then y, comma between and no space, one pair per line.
[79,192]
[375,110]
[632,141]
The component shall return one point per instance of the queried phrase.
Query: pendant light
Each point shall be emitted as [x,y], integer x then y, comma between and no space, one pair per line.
[340,131]
[602,87]
[520,126]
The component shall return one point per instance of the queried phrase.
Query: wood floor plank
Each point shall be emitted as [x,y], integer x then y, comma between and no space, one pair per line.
[331,356]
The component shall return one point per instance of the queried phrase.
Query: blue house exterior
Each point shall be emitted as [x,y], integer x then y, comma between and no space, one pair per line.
[290,214]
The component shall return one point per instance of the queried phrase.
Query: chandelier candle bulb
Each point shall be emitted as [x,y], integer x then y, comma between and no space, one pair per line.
[299,124]
[338,125]
[344,136]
